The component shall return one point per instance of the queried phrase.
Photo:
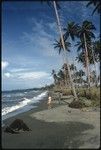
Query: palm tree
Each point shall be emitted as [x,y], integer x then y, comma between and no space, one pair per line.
[73,69]
[85,33]
[71,30]
[62,78]
[91,54]
[96,49]
[94,62]
[81,58]
[66,74]
[50,3]
[96,4]
[81,73]
[58,44]
[93,77]
[64,48]
[54,76]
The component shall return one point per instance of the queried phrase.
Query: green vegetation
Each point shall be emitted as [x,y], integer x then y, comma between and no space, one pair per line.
[83,83]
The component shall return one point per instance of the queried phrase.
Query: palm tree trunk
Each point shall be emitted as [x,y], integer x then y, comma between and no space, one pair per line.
[62,40]
[96,82]
[87,61]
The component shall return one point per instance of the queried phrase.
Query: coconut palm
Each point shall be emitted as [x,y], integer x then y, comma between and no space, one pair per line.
[93,77]
[54,76]
[96,4]
[95,59]
[66,74]
[91,54]
[64,48]
[85,33]
[79,74]
[73,69]
[96,49]
[62,78]
[59,46]
[50,3]
[81,58]
[71,30]
[61,74]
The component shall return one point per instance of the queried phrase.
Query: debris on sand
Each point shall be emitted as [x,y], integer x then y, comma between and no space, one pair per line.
[16,126]
[77,104]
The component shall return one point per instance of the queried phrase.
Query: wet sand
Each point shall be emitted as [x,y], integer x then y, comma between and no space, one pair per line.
[55,128]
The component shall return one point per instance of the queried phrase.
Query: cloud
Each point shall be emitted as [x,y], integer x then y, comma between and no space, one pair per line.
[19,70]
[41,38]
[4,64]
[32,75]
[7,74]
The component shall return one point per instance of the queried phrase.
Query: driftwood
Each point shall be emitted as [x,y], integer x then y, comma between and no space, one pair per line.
[10,130]
[16,126]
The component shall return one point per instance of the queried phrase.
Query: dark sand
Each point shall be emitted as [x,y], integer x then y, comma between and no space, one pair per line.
[53,135]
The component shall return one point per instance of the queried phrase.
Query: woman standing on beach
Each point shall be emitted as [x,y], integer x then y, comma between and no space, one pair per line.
[49,101]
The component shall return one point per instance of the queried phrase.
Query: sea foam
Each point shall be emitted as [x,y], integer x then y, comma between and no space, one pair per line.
[23,103]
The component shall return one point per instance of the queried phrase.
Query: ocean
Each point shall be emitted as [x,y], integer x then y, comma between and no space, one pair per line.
[15,102]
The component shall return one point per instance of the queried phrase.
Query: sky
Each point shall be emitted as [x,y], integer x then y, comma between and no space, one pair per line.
[29,30]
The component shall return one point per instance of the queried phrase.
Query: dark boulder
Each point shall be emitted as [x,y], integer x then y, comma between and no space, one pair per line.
[16,126]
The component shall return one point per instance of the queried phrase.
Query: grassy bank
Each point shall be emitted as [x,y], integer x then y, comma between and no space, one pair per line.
[84,93]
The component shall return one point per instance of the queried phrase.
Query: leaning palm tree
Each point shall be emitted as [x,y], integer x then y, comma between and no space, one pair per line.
[58,45]
[64,48]
[50,3]
[96,4]
[85,33]
[71,31]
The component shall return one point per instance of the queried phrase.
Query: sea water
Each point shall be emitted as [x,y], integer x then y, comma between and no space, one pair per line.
[15,102]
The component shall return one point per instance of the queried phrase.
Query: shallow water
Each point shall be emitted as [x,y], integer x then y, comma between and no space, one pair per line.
[16,102]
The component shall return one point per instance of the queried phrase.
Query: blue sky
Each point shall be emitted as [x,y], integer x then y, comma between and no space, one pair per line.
[28,33]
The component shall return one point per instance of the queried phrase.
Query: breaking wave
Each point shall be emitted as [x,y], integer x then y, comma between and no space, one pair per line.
[23,103]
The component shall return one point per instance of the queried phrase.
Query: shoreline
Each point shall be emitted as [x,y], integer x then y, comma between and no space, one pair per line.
[34,105]
[55,128]
[38,104]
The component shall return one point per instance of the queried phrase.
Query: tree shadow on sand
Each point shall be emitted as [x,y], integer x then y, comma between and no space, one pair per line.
[52,135]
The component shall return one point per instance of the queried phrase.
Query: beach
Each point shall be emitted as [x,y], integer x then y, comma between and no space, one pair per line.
[50,95]
[55,127]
